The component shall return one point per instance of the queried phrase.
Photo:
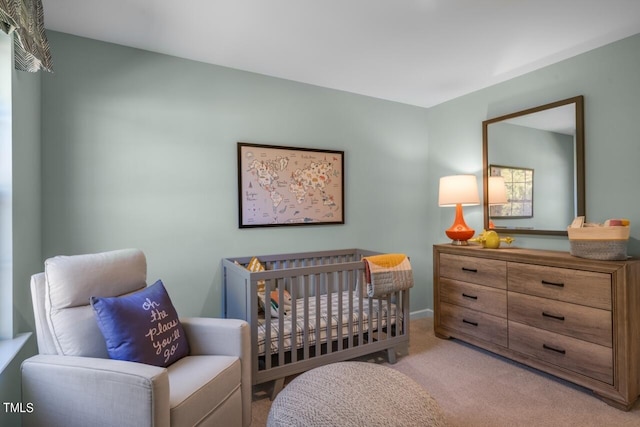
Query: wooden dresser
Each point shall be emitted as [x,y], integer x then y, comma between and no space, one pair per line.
[574,318]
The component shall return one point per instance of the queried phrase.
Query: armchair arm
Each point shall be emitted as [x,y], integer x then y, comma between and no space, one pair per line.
[228,337]
[214,336]
[83,391]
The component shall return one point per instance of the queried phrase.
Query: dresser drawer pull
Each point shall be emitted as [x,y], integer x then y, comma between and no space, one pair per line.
[553,316]
[470,270]
[546,282]
[557,350]
[469,322]
[469,296]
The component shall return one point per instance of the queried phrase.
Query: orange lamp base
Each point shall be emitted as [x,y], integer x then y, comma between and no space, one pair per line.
[459,232]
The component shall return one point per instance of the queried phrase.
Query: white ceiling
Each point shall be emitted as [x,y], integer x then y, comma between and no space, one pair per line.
[419,52]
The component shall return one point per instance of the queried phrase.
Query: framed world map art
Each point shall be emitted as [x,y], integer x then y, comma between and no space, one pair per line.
[289,186]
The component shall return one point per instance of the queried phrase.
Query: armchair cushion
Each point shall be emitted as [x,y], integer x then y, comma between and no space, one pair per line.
[72,280]
[142,327]
[197,381]
[89,391]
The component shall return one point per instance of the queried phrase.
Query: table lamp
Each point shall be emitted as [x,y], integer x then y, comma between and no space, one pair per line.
[458,191]
[497,194]
[497,191]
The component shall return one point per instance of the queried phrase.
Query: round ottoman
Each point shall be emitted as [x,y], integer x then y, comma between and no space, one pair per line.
[354,394]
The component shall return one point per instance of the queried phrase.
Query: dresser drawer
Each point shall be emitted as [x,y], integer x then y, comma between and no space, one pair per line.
[484,326]
[564,284]
[488,272]
[585,358]
[480,298]
[586,323]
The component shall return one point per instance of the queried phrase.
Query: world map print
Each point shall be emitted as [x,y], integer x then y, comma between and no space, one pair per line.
[289,186]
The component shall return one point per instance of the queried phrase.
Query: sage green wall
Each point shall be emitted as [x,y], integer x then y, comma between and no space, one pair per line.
[139,151]
[609,79]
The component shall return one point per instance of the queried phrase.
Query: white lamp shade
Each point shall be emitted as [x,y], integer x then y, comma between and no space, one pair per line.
[497,191]
[456,189]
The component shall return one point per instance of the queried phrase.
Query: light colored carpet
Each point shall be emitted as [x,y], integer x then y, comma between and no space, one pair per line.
[478,388]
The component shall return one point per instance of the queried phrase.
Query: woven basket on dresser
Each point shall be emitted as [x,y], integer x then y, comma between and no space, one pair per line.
[602,243]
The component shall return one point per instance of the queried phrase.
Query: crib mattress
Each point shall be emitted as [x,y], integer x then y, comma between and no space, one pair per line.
[381,310]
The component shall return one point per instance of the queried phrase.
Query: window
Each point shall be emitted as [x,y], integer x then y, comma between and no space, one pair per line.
[519,185]
[6,242]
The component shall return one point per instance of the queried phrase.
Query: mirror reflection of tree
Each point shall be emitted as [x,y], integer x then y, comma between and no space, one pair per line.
[519,187]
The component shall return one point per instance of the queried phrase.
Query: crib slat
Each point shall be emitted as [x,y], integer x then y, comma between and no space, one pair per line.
[370,319]
[361,310]
[382,318]
[328,283]
[340,325]
[252,318]
[281,306]
[305,336]
[318,331]
[352,286]
[267,324]
[390,329]
[294,315]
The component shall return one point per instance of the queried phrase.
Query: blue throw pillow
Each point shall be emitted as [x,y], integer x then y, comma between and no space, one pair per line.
[142,327]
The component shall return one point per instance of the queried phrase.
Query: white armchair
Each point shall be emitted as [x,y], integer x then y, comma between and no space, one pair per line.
[72,382]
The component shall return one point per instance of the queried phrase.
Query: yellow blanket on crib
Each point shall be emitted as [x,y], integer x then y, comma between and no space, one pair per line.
[387,273]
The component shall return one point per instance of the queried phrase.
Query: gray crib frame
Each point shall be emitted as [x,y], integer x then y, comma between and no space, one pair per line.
[341,268]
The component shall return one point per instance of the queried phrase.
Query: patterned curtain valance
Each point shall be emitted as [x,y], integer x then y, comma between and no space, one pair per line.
[25,18]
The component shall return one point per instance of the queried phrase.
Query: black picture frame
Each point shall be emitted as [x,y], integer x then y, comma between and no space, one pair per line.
[281,186]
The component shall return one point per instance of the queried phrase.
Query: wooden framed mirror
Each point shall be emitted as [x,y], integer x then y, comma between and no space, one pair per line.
[548,139]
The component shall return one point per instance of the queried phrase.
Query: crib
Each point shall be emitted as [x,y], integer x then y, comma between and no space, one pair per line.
[330,319]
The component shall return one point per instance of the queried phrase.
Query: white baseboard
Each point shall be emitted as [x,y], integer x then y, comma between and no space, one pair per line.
[427,312]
